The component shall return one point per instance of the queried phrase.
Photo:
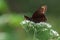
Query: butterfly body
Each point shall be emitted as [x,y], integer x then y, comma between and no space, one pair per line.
[38,16]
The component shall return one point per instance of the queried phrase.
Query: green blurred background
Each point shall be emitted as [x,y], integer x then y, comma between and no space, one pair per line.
[12,13]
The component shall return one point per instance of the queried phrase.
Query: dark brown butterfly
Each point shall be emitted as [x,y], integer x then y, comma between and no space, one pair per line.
[39,15]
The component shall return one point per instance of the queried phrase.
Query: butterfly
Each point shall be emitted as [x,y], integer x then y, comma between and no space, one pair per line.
[39,15]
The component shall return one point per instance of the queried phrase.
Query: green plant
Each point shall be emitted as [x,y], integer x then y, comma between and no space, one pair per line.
[39,31]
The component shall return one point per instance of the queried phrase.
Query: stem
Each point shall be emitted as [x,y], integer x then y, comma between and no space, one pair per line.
[34,34]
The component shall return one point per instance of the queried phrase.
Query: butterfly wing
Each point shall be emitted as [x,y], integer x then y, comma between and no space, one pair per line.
[39,15]
[28,18]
